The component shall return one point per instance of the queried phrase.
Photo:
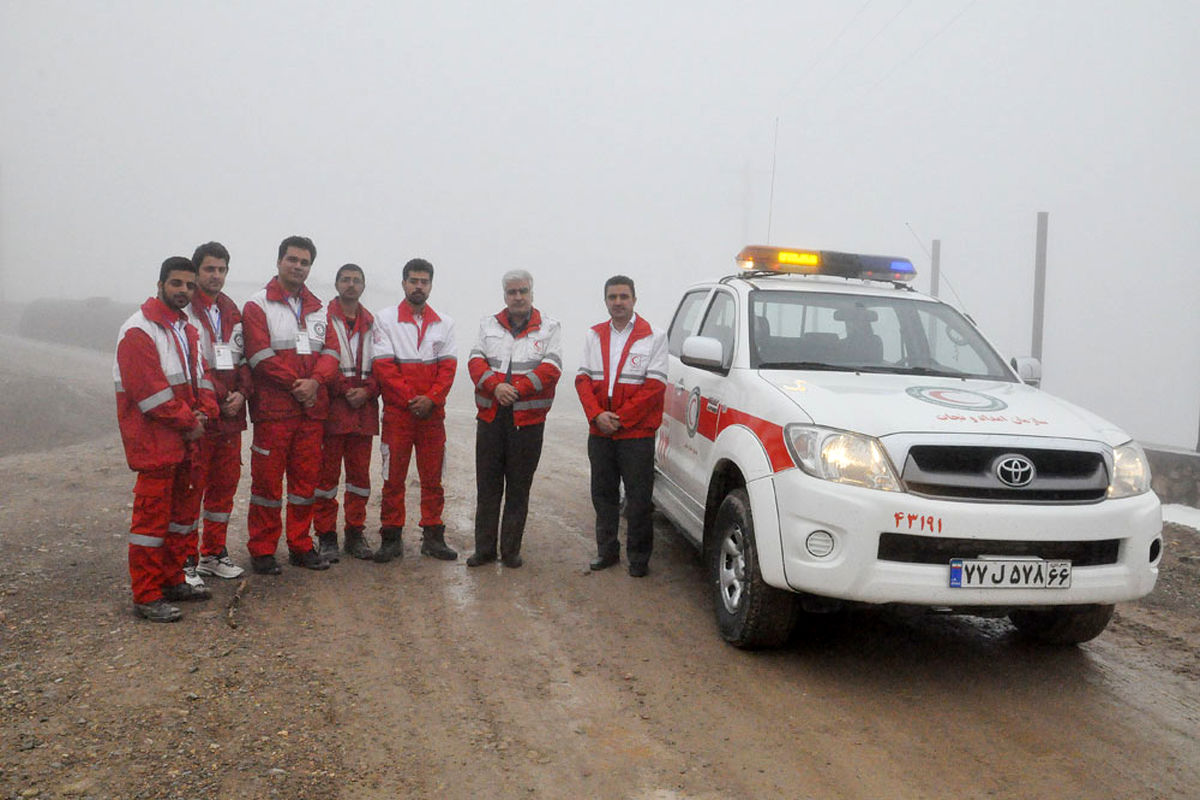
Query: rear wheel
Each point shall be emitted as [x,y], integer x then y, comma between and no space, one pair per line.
[750,613]
[1062,624]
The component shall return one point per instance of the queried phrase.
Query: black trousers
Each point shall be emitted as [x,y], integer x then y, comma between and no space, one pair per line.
[506,456]
[628,461]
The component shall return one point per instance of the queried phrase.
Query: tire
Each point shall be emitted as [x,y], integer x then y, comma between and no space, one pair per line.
[1062,624]
[750,614]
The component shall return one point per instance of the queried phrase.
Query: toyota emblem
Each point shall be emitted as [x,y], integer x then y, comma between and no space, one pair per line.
[1015,470]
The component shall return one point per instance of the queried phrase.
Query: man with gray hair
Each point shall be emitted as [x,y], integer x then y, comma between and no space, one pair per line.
[515,364]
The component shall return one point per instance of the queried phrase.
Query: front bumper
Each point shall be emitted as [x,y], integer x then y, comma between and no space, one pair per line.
[857,517]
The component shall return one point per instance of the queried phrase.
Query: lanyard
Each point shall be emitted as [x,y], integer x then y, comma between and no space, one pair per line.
[181,339]
[298,310]
[214,319]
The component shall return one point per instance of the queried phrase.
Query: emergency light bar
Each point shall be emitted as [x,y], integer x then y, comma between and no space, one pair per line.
[761,258]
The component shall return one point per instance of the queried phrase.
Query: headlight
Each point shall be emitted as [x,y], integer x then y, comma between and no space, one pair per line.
[841,456]
[1131,471]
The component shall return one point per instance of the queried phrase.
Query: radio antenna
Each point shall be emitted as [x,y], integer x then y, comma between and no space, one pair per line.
[771,202]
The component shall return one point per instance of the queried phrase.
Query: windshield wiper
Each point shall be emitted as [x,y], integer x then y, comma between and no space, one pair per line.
[814,365]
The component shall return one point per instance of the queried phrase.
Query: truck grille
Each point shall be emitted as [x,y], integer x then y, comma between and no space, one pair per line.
[971,473]
[914,549]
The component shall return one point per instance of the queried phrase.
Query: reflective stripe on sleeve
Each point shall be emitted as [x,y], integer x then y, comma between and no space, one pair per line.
[479,383]
[536,381]
[260,356]
[484,402]
[155,400]
[204,383]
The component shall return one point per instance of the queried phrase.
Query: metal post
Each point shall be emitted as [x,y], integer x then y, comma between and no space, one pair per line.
[935,269]
[1039,284]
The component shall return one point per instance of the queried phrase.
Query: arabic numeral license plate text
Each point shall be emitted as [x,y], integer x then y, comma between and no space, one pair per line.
[1018,573]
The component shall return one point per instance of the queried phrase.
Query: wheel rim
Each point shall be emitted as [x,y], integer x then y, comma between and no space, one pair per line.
[731,569]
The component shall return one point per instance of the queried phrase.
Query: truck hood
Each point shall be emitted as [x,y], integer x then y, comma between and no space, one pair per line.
[879,405]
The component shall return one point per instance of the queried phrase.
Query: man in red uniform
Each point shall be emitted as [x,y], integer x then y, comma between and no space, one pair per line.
[353,419]
[415,362]
[293,356]
[219,323]
[515,365]
[621,382]
[164,397]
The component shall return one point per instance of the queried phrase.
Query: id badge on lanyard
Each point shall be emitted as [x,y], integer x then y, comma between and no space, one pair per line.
[223,355]
[303,347]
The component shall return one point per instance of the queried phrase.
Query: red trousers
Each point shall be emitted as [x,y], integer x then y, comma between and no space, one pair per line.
[355,450]
[291,446]
[222,463]
[166,506]
[399,439]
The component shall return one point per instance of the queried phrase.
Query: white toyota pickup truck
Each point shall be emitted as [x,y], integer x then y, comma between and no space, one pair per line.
[833,436]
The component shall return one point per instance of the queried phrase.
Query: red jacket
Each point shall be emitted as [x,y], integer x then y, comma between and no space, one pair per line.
[534,356]
[225,381]
[411,360]
[641,383]
[270,328]
[354,357]
[158,388]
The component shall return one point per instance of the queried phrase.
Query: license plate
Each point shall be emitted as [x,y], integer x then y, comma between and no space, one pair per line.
[1003,573]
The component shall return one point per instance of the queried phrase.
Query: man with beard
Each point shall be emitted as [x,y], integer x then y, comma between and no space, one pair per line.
[293,357]
[353,420]
[164,397]
[217,318]
[415,362]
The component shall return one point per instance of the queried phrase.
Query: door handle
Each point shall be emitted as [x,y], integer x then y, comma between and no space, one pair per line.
[713,404]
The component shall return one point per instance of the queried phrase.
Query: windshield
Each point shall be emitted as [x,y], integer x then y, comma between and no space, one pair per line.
[854,333]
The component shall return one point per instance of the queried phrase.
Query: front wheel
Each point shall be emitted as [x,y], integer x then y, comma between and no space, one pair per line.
[1062,624]
[750,613]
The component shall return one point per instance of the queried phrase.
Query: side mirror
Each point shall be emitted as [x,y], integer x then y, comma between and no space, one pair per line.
[1028,369]
[702,351]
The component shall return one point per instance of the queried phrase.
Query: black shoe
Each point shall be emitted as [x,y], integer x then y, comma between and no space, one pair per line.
[638,570]
[185,592]
[158,611]
[433,543]
[307,559]
[391,547]
[513,561]
[603,562]
[265,565]
[328,549]
[479,559]
[355,545]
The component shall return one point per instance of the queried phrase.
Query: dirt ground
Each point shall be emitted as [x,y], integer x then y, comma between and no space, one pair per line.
[422,678]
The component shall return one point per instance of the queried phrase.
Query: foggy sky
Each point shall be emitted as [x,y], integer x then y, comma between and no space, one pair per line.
[577,140]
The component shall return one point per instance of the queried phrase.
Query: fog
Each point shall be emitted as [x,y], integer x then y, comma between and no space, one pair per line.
[578,140]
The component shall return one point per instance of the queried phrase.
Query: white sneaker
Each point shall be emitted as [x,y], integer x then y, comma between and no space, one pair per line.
[221,566]
[191,576]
